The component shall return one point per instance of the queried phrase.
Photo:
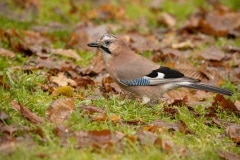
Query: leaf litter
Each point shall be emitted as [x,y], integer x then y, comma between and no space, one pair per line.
[65,78]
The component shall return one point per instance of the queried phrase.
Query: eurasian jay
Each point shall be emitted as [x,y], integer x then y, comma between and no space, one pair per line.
[140,75]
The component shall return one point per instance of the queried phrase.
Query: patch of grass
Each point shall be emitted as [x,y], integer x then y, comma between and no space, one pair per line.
[231,4]
[7,23]
[181,10]
[53,11]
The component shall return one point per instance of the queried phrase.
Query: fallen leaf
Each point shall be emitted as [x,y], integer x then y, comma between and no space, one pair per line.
[60,110]
[148,138]
[6,53]
[110,86]
[156,5]
[96,113]
[25,112]
[64,133]
[62,80]
[134,122]
[9,129]
[83,81]
[67,53]
[84,33]
[3,83]
[233,131]
[52,64]
[96,66]
[141,43]
[213,53]
[8,144]
[3,116]
[107,12]
[218,22]
[167,19]
[183,45]
[170,110]
[225,104]
[92,109]
[98,139]
[228,155]
[178,126]
[98,117]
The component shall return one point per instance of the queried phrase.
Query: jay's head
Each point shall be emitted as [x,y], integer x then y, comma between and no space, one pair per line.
[109,44]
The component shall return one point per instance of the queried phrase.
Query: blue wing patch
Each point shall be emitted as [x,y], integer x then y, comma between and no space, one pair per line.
[136,82]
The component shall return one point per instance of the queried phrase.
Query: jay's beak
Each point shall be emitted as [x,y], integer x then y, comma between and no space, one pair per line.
[93,44]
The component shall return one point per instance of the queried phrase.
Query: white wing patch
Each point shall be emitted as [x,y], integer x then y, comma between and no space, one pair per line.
[160,75]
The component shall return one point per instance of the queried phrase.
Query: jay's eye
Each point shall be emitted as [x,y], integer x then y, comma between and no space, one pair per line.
[107,43]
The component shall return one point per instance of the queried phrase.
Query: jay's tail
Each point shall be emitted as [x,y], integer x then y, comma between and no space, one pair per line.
[206,87]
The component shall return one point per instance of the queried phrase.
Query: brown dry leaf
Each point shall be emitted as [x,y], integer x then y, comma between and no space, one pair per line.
[3,83]
[170,111]
[60,110]
[191,71]
[6,53]
[219,22]
[64,90]
[237,104]
[155,5]
[96,66]
[98,139]
[185,96]
[64,132]
[98,117]
[166,55]
[85,33]
[147,138]
[96,113]
[83,81]
[67,53]
[3,116]
[50,27]
[178,126]
[233,131]
[20,10]
[182,127]
[8,144]
[9,129]
[53,64]
[25,112]
[183,45]
[225,155]
[62,80]
[29,42]
[168,20]
[167,145]
[141,43]
[110,86]
[92,109]
[135,122]
[107,12]
[226,104]
[213,53]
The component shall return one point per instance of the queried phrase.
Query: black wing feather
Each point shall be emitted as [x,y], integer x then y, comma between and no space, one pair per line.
[168,73]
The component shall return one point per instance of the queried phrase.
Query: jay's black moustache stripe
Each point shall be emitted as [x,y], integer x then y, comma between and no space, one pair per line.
[105,49]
